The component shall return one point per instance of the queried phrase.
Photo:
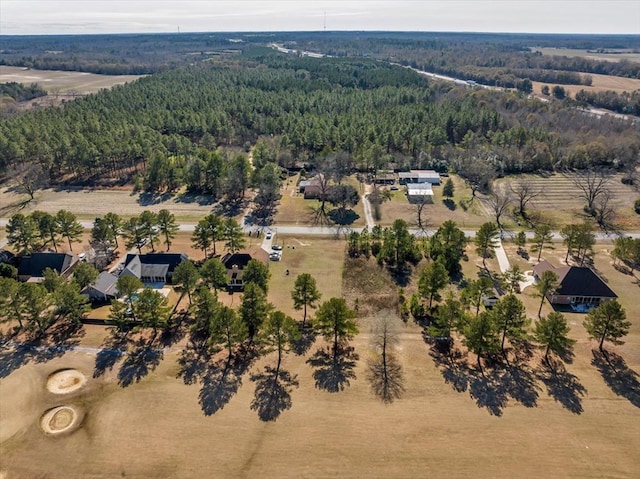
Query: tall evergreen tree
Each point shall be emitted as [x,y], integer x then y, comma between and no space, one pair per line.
[254,308]
[552,333]
[433,278]
[335,321]
[607,322]
[305,294]
[167,226]
[69,226]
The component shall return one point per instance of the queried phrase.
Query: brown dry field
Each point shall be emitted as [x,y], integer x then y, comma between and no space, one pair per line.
[436,213]
[157,428]
[575,52]
[560,203]
[64,82]
[89,203]
[600,83]
[295,210]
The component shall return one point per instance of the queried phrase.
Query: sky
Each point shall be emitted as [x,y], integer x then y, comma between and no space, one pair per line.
[19,17]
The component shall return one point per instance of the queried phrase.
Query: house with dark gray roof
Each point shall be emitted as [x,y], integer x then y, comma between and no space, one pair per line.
[103,289]
[152,267]
[31,267]
[576,285]
[236,262]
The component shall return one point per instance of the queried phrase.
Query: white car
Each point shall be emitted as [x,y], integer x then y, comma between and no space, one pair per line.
[268,235]
[275,256]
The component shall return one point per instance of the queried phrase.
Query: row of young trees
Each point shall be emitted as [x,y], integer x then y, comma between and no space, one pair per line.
[41,230]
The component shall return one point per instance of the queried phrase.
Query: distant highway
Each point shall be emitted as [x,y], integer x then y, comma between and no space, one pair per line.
[598,112]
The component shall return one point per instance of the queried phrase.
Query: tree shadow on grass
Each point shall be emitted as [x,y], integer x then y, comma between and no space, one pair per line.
[343,217]
[491,388]
[112,350]
[334,370]
[219,379]
[563,386]
[139,361]
[54,343]
[449,203]
[273,392]
[304,343]
[620,378]
[386,378]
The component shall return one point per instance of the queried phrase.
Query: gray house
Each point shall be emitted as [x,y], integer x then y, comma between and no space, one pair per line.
[152,267]
[103,289]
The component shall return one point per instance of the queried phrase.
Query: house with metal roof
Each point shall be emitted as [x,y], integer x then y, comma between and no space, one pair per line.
[419,176]
[419,193]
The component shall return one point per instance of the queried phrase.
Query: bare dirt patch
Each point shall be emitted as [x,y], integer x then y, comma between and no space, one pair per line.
[66,381]
[61,420]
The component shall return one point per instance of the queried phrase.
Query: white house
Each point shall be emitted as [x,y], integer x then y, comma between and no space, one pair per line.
[419,193]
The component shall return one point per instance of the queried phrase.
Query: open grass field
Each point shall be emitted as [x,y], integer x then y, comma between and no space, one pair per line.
[574,52]
[560,203]
[89,203]
[600,83]
[185,418]
[63,82]
[437,212]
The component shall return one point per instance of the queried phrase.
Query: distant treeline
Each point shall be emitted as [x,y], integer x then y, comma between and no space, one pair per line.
[500,64]
[625,102]
[20,92]
[494,59]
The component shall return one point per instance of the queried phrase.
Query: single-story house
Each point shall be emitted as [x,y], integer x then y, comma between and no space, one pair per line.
[419,176]
[103,289]
[236,262]
[419,193]
[152,267]
[382,178]
[313,188]
[31,267]
[576,285]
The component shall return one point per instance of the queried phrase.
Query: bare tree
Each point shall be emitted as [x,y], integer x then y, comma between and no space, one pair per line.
[605,212]
[478,173]
[29,177]
[385,372]
[525,191]
[499,203]
[321,213]
[592,184]
[423,223]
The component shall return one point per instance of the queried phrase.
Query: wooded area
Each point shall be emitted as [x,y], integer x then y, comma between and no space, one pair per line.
[369,113]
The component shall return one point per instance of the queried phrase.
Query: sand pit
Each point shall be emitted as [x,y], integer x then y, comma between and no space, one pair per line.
[65,381]
[61,419]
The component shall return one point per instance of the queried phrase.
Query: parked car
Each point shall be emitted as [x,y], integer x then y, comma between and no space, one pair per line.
[276,247]
[268,235]
[275,256]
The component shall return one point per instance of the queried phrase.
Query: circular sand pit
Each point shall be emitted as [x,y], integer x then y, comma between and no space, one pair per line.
[61,419]
[66,381]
